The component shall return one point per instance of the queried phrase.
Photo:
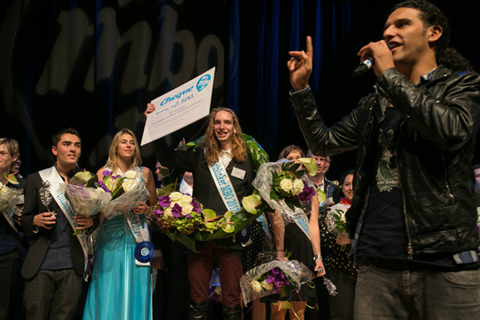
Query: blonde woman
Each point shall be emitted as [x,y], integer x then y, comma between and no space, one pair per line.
[121,285]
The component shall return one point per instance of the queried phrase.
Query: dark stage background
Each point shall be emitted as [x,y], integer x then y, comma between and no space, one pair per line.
[94,65]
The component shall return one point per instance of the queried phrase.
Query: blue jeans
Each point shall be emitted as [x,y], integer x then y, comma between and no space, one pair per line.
[383,294]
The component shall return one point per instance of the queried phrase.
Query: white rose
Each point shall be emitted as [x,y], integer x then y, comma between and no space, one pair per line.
[186,199]
[168,212]
[127,184]
[256,286]
[297,186]
[286,185]
[130,174]
[266,285]
[186,208]
[175,196]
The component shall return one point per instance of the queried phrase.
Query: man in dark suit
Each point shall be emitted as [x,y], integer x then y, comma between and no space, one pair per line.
[56,260]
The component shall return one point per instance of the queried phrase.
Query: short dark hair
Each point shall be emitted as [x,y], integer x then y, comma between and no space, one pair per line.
[57,136]
[431,15]
[476,166]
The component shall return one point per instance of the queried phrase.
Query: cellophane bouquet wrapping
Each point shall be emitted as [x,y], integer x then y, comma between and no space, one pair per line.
[275,277]
[85,200]
[8,196]
[284,186]
[336,219]
[125,191]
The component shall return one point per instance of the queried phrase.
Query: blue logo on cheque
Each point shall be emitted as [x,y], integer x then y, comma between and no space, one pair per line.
[203,82]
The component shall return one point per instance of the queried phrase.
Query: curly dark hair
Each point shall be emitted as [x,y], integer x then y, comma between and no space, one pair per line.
[431,15]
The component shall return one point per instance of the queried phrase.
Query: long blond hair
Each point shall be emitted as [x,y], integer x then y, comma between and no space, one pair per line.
[210,143]
[112,152]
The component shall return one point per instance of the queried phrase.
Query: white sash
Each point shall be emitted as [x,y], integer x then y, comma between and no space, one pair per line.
[140,232]
[57,190]
[301,221]
[224,186]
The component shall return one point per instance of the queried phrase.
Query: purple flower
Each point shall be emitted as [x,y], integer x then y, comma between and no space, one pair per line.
[278,279]
[158,212]
[306,194]
[164,201]
[177,210]
[107,173]
[196,206]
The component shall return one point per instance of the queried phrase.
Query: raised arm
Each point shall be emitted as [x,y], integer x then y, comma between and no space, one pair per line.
[300,66]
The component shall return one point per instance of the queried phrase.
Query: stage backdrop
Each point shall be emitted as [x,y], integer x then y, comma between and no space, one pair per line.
[94,65]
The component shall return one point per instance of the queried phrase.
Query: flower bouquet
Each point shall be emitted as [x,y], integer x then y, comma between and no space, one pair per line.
[179,215]
[125,191]
[336,219]
[285,186]
[215,226]
[85,200]
[229,224]
[8,195]
[275,277]
[185,219]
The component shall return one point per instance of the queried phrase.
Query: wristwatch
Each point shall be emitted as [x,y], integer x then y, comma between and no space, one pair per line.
[317,256]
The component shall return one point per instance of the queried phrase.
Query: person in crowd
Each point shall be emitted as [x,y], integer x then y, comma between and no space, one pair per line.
[171,287]
[331,190]
[332,195]
[222,148]
[258,237]
[121,285]
[57,258]
[17,164]
[161,173]
[11,242]
[289,237]
[339,267]
[186,186]
[412,216]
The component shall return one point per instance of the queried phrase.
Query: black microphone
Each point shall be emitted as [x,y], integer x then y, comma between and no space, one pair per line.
[363,67]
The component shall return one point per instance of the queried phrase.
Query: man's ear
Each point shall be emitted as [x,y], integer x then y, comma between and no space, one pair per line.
[54,150]
[434,33]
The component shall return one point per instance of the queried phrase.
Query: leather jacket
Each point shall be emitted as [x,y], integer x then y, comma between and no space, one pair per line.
[434,153]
